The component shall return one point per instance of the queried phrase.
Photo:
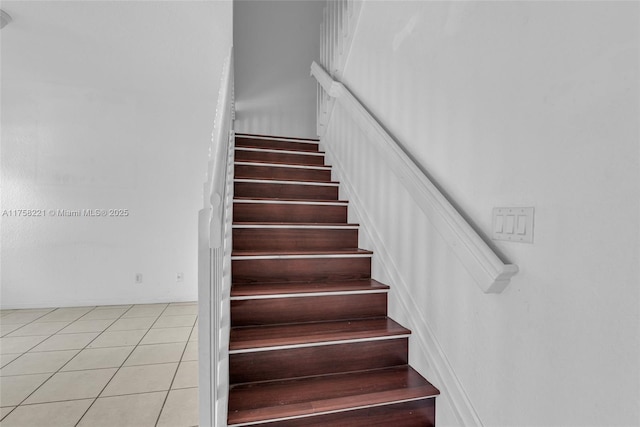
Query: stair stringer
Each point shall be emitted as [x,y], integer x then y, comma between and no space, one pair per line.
[447,381]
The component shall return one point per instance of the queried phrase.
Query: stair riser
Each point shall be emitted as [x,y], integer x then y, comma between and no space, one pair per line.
[293,239]
[271,172]
[418,413]
[321,360]
[268,143]
[285,191]
[307,309]
[268,212]
[287,158]
[300,270]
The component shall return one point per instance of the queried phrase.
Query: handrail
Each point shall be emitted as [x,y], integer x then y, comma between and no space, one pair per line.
[490,273]
[214,257]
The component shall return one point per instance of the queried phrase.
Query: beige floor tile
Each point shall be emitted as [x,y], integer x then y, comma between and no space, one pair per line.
[151,310]
[191,352]
[66,342]
[136,410]
[118,338]
[38,363]
[165,335]
[156,353]
[79,326]
[7,329]
[141,379]
[4,411]
[19,344]
[180,310]
[65,314]
[58,414]
[96,358]
[132,324]
[23,316]
[45,328]
[6,358]
[187,375]
[72,385]
[112,313]
[14,390]
[175,321]
[180,409]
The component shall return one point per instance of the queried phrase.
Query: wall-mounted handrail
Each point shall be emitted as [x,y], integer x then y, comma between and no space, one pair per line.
[214,258]
[490,273]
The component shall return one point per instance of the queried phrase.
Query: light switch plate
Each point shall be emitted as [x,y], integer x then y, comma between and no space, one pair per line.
[513,224]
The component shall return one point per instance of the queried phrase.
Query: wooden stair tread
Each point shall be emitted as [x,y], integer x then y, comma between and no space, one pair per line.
[249,337]
[276,180]
[344,251]
[265,289]
[289,149]
[255,402]
[267,137]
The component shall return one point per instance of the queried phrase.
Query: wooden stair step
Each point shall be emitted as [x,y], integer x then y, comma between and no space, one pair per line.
[279,156]
[415,413]
[289,212]
[260,170]
[309,307]
[276,142]
[261,337]
[283,189]
[300,266]
[300,236]
[306,397]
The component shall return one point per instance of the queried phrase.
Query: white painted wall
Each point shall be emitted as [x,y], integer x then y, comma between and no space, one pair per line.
[508,104]
[106,105]
[274,43]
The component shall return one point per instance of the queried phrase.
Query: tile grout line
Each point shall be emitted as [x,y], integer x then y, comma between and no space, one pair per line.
[121,365]
[52,374]
[85,347]
[176,373]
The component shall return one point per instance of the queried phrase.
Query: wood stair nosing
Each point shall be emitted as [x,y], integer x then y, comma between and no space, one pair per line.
[239,290]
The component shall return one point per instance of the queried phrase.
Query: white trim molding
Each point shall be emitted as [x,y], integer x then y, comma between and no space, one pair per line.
[490,273]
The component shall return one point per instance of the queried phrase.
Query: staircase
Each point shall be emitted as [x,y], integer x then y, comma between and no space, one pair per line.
[310,342]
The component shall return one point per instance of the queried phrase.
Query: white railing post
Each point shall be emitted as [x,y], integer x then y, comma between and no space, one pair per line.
[213,251]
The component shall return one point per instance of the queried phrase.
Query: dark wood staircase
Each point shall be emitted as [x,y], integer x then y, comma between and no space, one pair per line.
[310,343]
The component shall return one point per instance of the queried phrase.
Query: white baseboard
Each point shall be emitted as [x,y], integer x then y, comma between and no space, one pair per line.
[94,302]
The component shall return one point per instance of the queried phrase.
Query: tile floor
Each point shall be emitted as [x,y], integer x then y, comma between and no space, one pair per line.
[111,366]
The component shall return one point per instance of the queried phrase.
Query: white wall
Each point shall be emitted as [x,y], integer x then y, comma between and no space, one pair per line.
[274,44]
[106,105]
[508,104]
